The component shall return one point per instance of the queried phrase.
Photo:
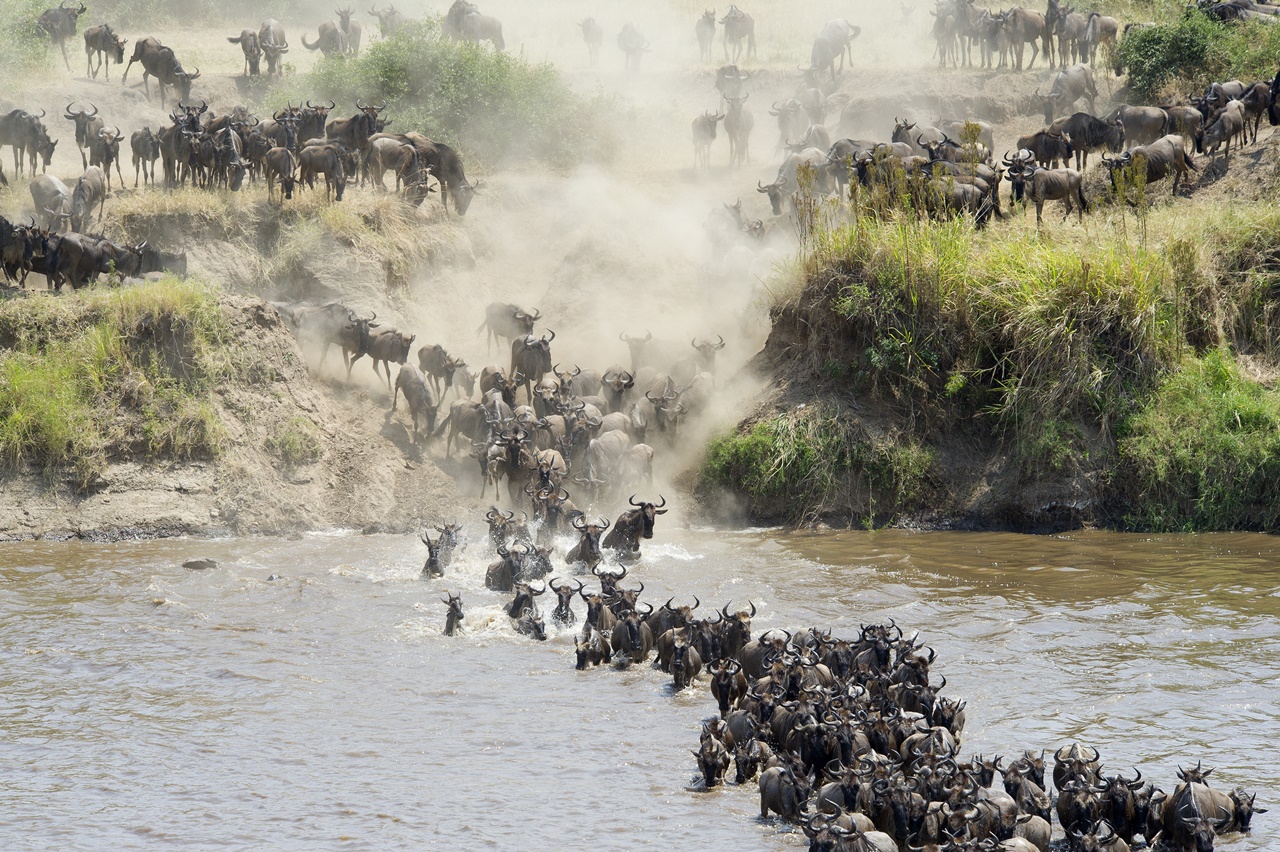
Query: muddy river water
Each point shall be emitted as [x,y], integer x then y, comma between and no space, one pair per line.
[144,705]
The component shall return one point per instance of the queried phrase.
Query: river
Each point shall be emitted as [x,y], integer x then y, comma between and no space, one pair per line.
[145,705]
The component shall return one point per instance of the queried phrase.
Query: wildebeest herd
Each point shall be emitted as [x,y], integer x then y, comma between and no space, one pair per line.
[541,427]
[293,148]
[852,739]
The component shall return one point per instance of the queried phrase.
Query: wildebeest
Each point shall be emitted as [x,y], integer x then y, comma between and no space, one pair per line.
[464,22]
[738,123]
[386,346]
[633,525]
[52,200]
[274,44]
[634,46]
[784,792]
[454,619]
[704,133]
[87,126]
[1227,126]
[787,182]
[351,29]
[1022,27]
[1142,124]
[738,27]
[632,639]
[705,31]
[159,61]
[1070,85]
[252,49]
[326,160]
[587,550]
[145,146]
[1092,134]
[1100,29]
[280,164]
[446,166]
[834,41]
[102,44]
[593,35]
[60,25]
[105,150]
[330,40]
[504,320]
[90,191]
[531,356]
[389,20]
[422,404]
[1050,148]
[1167,154]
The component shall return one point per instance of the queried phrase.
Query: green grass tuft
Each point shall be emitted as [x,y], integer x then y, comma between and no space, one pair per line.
[296,443]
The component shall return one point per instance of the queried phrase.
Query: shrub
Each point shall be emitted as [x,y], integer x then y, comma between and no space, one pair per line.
[295,443]
[491,104]
[1203,452]
[1197,50]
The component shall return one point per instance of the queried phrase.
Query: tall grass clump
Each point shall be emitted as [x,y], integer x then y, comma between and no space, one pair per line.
[1190,53]
[106,373]
[803,462]
[24,46]
[1019,330]
[493,105]
[1203,453]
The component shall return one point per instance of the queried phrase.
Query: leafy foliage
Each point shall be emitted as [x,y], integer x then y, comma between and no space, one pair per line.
[1196,50]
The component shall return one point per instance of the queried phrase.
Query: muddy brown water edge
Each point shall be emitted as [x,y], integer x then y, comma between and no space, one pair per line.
[144,705]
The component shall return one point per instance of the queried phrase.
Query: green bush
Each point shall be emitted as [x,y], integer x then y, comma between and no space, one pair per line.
[297,442]
[493,105]
[110,371]
[1195,51]
[1203,453]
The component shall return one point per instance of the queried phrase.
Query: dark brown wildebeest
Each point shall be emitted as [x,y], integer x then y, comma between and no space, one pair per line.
[252,49]
[1229,124]
[438,364]
[1142,125]
[389,20]
[1069,86]
[146,150]
[87,126]
[324,160]
[1050,148]
[385,346]
[531,357]
[587,550]
[330,40]
[454,619]
[1091,134]
[280,164]
[446,167]
[591,648]
[422,404]
[102,44]
[563,613]
[271,39]
[1041,185]
[159,61]
[90,191]
[1022,27]
[105,150]
[633,525]
[60,24]
[353,133]
[507,321]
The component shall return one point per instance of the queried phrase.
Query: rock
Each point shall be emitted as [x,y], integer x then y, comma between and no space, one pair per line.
[200,564]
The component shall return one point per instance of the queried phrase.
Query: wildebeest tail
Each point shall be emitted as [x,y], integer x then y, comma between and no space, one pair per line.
[482,325]
[1084,205]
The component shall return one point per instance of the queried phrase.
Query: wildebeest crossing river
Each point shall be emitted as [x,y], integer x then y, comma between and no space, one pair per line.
[148,705]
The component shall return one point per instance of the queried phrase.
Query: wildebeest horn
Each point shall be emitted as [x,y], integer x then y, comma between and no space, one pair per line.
[359,105]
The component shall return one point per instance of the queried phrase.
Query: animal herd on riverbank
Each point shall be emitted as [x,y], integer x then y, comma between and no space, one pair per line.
[849,738]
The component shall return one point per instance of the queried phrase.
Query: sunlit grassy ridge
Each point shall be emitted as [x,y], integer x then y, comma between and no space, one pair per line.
[111,372]
[1035,340]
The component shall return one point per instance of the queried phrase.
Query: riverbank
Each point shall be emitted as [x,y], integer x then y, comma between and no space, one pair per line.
[1117,373]
[170,408]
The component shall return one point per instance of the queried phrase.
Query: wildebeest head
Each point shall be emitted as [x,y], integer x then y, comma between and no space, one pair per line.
[563,613]
[637,347]
[499,525]
[774,191]
[532,624]
[1200,828]
[524,599]
[1194,776]
[668,409]
[1244,807]
[730,81]
[82,121]
[609,581]
[735,630]
[455,615]
[707,352]
[713,761]
[432,566]
[648,514]
[589,544]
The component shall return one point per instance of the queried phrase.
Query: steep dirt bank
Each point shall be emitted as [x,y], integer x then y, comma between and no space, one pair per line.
[297,454]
